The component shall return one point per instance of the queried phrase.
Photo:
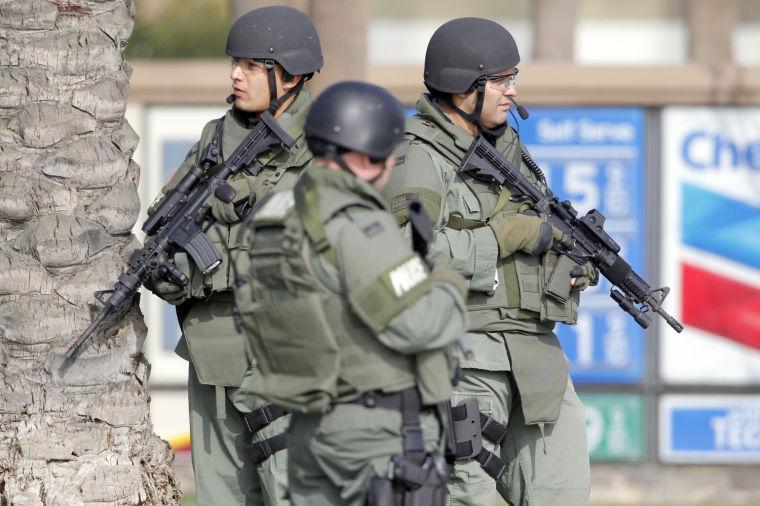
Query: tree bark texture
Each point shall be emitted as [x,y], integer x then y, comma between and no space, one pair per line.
[68,200]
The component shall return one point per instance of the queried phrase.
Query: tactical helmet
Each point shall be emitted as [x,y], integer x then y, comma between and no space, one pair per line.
[354,116]
[278,33]
[464,49]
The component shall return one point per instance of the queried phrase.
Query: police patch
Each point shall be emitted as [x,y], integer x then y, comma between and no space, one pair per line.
[408,275]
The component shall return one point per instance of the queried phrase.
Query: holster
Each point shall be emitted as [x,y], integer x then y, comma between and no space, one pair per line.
[469,426]
[411,484]
[416,478]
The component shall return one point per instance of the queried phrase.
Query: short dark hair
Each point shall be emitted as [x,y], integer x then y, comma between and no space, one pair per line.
[287,76]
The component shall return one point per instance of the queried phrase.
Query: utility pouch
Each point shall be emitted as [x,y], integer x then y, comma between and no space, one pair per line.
[558,282]
[528,270]
[296,352]
[216,348]
[560,302]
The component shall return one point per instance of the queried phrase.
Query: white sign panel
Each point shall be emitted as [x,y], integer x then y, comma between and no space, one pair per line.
[711,244]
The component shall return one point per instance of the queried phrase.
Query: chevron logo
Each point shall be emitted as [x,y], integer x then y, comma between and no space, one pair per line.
[720,302]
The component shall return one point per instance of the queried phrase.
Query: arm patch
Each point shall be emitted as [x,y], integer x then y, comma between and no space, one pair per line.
[429,199]
[391,292]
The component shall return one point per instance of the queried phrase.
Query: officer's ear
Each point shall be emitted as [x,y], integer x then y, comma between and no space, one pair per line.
[288,80]
[465,101]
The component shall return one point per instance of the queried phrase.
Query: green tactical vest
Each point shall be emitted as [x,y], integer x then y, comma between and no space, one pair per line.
[276,175]
[311,347]
[213,343]
[521,301]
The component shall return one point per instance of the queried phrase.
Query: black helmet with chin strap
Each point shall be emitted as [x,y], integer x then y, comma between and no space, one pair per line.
[354,116]
[462,52]
[277,34]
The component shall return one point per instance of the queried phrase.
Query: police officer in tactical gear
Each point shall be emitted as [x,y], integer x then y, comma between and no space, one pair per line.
[234,433]
[350,329]
[532,422]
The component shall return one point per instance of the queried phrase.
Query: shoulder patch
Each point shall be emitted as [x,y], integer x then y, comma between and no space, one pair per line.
[277,207]
[407,275]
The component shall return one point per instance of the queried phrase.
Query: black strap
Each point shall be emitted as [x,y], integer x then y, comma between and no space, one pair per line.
[262,450]
[491,464]
[493,430]
[474,116]
[274,102]
[409,403]
[262,417]
[414,442]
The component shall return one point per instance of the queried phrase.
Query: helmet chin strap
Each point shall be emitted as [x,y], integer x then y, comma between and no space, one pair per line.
[474,116]
[274,102]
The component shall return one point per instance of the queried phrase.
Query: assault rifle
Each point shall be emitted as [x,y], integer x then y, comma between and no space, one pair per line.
[588,240]
[176,223]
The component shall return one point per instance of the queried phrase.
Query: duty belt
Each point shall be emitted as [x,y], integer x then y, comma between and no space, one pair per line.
[257,420]
[409,403]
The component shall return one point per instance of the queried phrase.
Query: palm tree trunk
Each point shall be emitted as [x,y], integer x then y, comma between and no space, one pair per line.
[68,200]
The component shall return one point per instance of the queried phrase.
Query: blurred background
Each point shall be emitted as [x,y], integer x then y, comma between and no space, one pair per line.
[648,111]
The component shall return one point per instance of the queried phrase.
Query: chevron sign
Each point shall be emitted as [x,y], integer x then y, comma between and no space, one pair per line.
[711,244]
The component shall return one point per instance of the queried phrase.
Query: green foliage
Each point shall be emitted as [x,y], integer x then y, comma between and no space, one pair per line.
[179,29]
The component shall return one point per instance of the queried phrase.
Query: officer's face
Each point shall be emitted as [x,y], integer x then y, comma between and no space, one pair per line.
[496,102]
[251,86]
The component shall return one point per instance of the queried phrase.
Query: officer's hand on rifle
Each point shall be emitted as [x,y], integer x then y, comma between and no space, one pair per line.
[166,289]
[583,276]
[237,209]
[522,232]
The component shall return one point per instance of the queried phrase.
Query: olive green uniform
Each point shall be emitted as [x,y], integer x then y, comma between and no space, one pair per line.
[337,308]
[517,370]
[220,439]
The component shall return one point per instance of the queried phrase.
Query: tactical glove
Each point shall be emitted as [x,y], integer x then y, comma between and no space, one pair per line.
[233,212]
[584,275]
[167,290]
[522,232]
